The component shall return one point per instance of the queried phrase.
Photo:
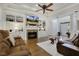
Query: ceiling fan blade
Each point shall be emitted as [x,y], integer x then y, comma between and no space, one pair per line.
[40,5]
[38,10]
[50,5]
[49,9]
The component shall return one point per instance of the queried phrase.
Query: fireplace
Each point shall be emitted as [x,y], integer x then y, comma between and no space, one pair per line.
[32,34]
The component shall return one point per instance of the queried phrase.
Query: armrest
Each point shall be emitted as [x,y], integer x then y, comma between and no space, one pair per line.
[71,46]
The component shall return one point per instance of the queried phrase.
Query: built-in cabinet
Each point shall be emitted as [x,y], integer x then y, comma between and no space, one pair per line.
[14,22]
[15,25]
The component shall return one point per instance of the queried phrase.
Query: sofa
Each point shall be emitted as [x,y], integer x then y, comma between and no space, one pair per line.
[68,47]
[8,49]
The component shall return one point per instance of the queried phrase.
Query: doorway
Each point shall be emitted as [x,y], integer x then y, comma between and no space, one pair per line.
[64,27]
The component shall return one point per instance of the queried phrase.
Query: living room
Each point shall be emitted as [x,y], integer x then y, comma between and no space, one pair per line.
[29,26]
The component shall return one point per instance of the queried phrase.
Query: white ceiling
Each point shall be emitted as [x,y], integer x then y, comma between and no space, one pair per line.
[32,7]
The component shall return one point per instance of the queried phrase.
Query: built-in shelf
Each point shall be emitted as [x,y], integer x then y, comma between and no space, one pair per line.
[32,23]
[14,22]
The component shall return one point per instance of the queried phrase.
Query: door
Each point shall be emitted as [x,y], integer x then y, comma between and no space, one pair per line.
[64,27]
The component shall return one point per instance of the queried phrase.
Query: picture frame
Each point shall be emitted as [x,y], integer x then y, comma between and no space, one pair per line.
[10,18]
[19,19]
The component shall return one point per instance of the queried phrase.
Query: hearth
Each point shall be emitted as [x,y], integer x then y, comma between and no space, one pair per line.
[32,34]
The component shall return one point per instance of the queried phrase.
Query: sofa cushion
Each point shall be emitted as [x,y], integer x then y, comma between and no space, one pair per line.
[11,40]
[8,42]
[4,48]
[1,38]
[4,33]
[4,36]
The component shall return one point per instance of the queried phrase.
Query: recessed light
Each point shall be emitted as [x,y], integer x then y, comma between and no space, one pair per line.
[36,5]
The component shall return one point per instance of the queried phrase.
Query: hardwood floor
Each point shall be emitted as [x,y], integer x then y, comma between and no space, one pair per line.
[35,49]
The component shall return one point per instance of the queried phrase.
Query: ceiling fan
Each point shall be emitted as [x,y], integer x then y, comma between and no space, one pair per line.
[45,7]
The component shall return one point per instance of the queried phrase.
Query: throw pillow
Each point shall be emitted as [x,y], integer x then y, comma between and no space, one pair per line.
[4,48]
[12,39]
[72,37]
[8,41]
[76,42]
[52,40]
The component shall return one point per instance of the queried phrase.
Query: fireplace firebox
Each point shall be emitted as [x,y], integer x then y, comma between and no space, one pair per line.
[32,34]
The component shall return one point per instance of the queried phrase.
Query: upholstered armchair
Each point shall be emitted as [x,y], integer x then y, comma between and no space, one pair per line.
[6,47]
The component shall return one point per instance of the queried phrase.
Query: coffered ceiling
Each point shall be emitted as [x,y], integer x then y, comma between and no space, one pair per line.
[30,8]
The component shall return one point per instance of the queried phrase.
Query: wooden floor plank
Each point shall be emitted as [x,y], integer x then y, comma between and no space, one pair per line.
[35,49]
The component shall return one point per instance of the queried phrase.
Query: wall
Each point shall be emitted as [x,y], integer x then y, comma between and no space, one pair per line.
[55,24]
[55,28]
[61,16]
[0,19]
[22,33]
[3,25]
[46,32]
[4,12]
[72,18]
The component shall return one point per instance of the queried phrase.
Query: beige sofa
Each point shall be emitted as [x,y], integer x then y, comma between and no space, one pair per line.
[6,47]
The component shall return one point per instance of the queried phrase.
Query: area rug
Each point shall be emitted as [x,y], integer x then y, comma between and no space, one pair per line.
[50,48]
